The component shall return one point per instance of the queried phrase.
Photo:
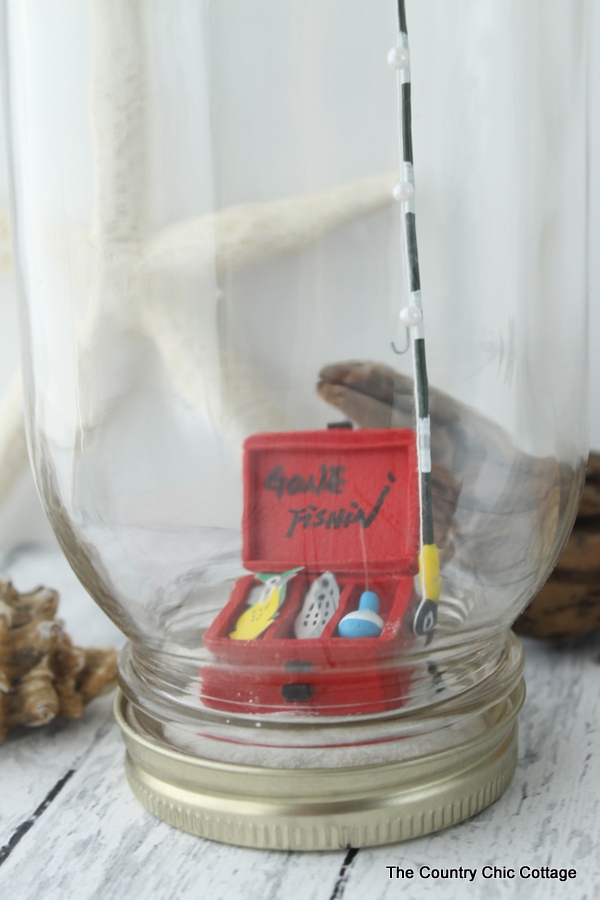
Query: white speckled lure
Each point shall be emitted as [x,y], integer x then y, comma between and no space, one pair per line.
[320,603]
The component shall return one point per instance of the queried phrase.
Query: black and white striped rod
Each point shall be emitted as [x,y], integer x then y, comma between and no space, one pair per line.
[425,616]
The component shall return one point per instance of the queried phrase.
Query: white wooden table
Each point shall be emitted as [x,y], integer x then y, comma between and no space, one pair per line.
[70,827]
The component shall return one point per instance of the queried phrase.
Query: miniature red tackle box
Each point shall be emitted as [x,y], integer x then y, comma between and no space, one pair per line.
[337,501]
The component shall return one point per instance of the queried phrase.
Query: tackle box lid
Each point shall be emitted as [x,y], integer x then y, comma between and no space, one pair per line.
[342,500]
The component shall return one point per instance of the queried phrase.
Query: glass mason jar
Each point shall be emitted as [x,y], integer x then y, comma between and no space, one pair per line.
[212,207]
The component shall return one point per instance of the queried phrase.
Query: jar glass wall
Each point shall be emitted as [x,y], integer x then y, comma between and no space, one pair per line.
[212,274]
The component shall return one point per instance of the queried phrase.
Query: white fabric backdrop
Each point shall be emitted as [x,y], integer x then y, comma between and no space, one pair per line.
[21,518]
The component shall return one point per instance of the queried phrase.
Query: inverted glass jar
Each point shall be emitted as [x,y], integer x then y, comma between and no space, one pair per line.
[212,269]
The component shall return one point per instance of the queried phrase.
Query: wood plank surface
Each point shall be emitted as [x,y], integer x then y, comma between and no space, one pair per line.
[70,827]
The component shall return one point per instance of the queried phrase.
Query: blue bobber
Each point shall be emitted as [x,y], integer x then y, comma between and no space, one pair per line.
[369,600]
[365,621]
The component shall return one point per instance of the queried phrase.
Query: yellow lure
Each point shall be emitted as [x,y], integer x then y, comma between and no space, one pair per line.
[258,617]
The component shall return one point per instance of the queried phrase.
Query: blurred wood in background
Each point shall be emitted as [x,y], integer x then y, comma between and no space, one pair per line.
[569,603]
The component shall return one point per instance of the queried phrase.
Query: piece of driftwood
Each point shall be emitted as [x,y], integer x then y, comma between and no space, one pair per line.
[42,675]
[568,605]
[501,515]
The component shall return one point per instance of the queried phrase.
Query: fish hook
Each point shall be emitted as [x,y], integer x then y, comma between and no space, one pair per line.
[400,352]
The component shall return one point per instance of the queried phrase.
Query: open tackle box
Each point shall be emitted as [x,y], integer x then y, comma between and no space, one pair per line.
[339,502]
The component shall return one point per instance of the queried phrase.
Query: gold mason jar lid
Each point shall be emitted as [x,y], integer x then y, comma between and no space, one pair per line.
[325,809]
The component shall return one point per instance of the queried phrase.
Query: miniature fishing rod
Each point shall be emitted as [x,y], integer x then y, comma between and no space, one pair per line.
[425,615]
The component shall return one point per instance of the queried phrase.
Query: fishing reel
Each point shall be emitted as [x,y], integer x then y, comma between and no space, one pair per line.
[425,617]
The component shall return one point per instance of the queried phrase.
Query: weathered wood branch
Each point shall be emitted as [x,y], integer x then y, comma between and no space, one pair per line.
[501,516]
